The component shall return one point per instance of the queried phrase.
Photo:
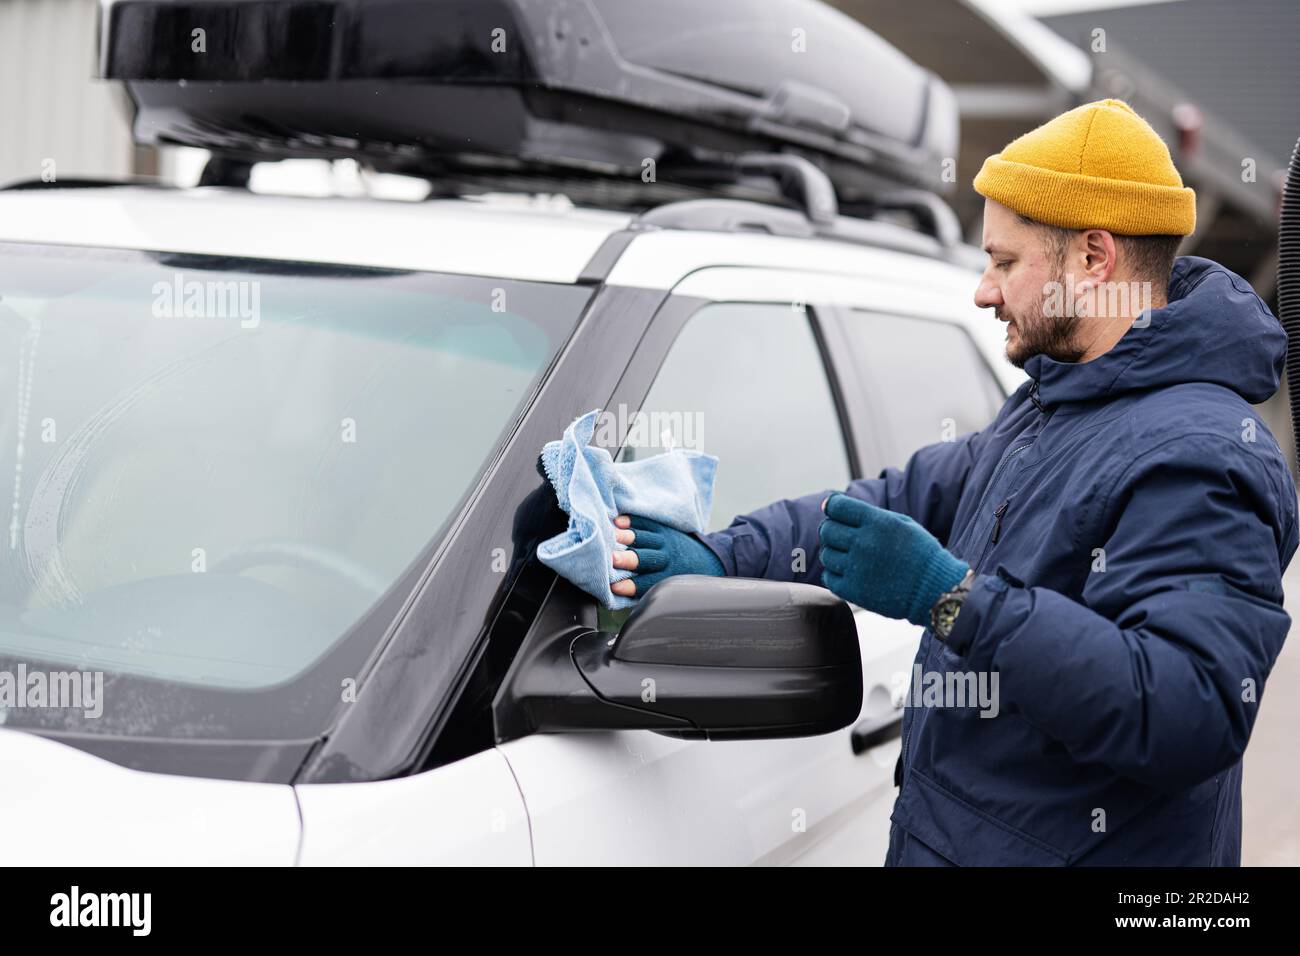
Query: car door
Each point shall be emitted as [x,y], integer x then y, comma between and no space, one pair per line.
[747,381]
[909,373]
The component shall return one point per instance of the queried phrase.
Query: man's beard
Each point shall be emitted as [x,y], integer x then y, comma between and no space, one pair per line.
[1053,336]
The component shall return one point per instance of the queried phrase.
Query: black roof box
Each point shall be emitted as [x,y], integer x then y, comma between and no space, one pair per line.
[597,86]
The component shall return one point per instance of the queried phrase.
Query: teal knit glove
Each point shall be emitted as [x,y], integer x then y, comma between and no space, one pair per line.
[884,561]
[662,551]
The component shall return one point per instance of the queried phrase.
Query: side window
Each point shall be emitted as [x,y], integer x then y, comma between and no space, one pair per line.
[746,382]
[929,379]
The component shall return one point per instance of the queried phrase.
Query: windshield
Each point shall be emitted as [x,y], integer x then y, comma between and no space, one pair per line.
[213,470]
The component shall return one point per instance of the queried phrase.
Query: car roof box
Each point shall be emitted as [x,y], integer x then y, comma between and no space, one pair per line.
[589,86]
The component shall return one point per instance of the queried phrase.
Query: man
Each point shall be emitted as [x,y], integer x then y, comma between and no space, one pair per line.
[1111,546]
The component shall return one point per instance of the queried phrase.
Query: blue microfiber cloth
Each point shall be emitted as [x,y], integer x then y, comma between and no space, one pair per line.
[675,488]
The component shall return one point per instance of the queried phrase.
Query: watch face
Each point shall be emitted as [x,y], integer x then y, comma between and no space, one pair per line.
[945,616]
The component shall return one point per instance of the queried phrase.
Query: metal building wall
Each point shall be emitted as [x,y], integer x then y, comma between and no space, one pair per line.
[51,107]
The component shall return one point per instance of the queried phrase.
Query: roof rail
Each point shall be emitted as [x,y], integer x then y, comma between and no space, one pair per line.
[930,210]
[799,180]
[737,215]
[795,179]
[805,184]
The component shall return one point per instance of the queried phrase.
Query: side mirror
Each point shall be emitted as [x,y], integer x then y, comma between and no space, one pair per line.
[722,658]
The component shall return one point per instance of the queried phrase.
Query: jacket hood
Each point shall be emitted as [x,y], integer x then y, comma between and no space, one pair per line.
[1214,329]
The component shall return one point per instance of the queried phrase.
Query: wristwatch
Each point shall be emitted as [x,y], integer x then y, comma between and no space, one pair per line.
[943,615]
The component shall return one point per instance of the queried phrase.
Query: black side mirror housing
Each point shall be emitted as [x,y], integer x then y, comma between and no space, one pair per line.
[722,658]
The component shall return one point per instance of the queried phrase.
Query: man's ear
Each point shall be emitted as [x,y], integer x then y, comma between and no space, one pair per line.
[1097,256]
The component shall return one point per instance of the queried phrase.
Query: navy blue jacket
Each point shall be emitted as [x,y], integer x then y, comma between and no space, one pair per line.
[1129,520]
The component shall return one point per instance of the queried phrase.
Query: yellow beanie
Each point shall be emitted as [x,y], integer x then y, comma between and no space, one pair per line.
[1097,166]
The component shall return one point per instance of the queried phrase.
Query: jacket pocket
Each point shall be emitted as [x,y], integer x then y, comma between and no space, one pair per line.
[964,834]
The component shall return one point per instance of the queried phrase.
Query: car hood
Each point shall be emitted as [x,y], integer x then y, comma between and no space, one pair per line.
[70,808]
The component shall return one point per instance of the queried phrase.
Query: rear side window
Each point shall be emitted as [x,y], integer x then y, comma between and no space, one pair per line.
[747,383]
[929,381]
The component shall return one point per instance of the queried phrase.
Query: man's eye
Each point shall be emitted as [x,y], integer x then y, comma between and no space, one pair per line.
[1004,264]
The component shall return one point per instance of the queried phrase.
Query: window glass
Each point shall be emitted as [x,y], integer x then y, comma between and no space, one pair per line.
[214,467]
[746,382]
[927,376]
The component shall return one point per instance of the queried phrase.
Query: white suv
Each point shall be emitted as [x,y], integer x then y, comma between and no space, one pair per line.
[275,507]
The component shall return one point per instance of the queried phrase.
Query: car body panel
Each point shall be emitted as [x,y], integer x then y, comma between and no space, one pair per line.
[466,813]
[65,807]
[503,239]
[662,258]
[641,798]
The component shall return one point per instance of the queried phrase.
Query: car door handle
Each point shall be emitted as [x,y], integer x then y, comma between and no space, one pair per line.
[875,731]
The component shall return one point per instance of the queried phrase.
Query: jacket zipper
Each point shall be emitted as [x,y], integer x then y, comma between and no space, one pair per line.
[993,539]
[1011,453]
[997,521]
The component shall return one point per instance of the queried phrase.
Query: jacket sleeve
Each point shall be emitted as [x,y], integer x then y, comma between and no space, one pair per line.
[1158,672]
[779,541]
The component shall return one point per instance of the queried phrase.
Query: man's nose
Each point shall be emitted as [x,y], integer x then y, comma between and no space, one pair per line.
[987,294]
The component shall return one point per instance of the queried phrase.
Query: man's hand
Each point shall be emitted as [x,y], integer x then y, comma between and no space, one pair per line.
[624,559]
[884,561]
[660,552]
